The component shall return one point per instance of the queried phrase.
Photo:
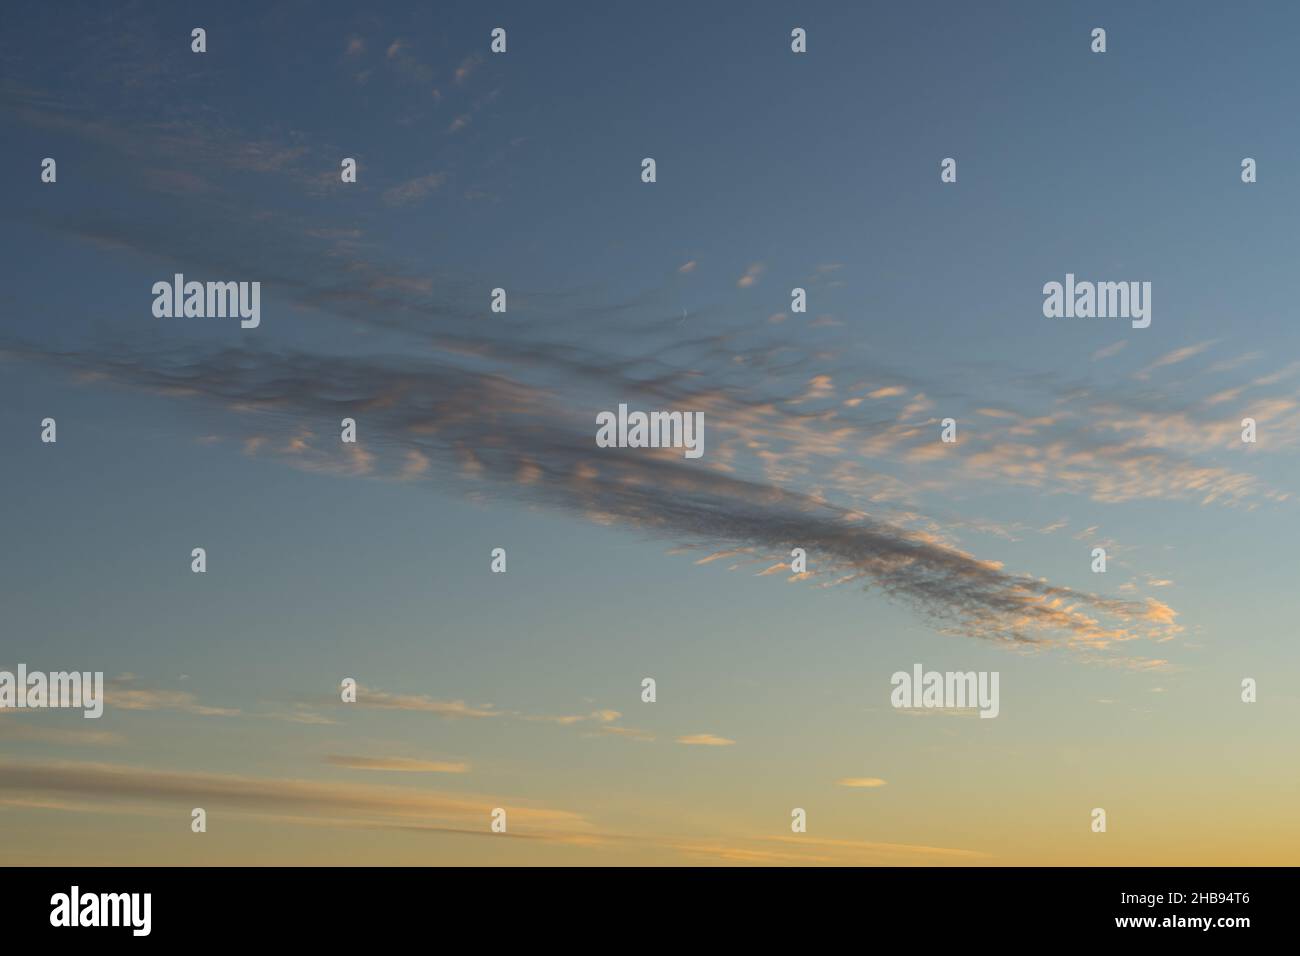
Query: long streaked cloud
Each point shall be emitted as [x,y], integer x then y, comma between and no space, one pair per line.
[96,788]
[488,428]
[127,693]
[861,782]
[603,721]
[66,736]
[119,782]
[382,700]
[705,740]
[1070,447]
[805,450]
[397,764]
[568,720]
[1173,358]
[414,190]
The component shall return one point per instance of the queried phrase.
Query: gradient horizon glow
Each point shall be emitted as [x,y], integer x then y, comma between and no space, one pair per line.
[476,431]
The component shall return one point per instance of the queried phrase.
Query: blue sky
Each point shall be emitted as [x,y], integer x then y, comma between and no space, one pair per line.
[775,170]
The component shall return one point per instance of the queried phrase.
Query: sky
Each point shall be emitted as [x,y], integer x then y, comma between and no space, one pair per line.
[476,429]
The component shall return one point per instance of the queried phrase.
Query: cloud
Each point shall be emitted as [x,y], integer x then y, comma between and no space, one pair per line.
[466,67]
[861,782]
[705,740]
[1174,357]
[414,190]
[120,788]
[416,465]
[123,693]
[1109,350]
[790,446]
[751,276]
[71,736]
[370,697]
[398,764]
[887,391]
[818,387]
[459,405]
[1229,365]
[454,417]
[598,716]
[381,700]
[360,804]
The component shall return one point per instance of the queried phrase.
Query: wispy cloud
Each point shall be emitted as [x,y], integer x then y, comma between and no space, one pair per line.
[414,190]
[466,67]
[120,788]
[861,782]
[705,740]
[1173,358]
[126,693]
[69,736]
[597,716]
[751,276]
[397,764]
[362,804]
[803,451]
[381,700]
[1109,351]
[505,426]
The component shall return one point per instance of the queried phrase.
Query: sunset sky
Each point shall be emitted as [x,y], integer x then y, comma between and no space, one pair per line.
[476,431]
